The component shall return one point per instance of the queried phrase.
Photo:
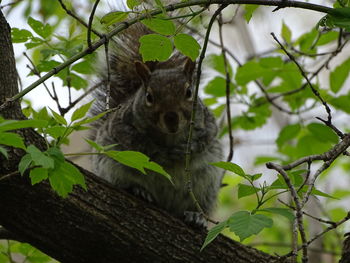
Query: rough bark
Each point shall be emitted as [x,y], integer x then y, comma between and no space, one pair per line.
[103,224]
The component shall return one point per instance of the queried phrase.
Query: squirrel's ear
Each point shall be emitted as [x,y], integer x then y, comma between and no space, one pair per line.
[143,71]
[189,66]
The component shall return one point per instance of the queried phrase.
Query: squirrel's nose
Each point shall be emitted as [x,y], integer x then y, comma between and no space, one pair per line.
[171,120]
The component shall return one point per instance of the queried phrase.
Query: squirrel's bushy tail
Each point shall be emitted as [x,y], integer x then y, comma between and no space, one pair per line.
[123,52]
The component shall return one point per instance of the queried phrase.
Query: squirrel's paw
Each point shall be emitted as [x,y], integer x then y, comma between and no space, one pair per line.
[195,219]
[142,193]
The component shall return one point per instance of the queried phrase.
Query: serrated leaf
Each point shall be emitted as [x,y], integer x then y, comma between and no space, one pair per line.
[39,28]
[280,211]
[64,177]
[155,47]
[161,26]
[138,161]
[81,112]
[39,158]
[24,163]
[287,133]
[55,131]
[114,17]
[187,45]
[58,118]
[47,65]
[246,190]
[37,175]
[286,33]
[339,75]
[213,233]
[12,139]
[235,168]
[245,224]
[20,35]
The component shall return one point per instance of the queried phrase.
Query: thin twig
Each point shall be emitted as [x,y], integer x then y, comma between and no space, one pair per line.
[193,113]
[298,207]
[228,86]
[315,91]
[91,18]
[69,12]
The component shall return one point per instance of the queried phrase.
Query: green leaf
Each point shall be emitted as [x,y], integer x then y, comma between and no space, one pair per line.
[64,177]
[4,152]
[155,47]
[55,131]
[12,139]
[280,211]
[47,65]
[24,163]
[37,175]
[217,63]
[245,224]
[20,35]
[235,168]
[323,133]
[138,161]
[287,133]
[58,118]
[133,3]
[339,75]
[16,124]
[187,45]
[39,28]
[341,103]
[327,38]
[249,10]
[248,72]
[286,33]
[213,233]
[246,190]
[114,17]
[161,26]
[81,112]
[95,145]
[217,87]
[83,67]
[39,158]
[92,119]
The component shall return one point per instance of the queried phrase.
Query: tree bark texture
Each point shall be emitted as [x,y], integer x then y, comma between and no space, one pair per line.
[102,224]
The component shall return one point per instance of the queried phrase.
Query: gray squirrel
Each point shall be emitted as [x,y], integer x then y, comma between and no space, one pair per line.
[153,102]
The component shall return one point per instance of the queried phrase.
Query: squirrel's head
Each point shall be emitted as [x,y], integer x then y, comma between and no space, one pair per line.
[166,96]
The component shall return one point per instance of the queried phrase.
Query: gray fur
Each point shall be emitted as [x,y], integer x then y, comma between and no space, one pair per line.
[139,127]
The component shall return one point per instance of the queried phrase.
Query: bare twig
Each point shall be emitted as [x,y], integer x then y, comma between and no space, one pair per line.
[315,91]
[193,113]
[72,14]
[91,18]
[228,95]
[298,208]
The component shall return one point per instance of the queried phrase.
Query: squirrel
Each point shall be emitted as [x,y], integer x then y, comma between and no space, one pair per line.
[153,102]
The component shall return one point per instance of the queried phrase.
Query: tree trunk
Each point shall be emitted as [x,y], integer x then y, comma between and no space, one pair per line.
[101,225]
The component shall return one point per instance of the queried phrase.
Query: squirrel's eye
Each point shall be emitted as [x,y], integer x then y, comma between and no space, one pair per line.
[188,93]
[149,98]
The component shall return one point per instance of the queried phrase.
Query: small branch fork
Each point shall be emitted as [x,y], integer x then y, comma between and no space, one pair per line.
[328,158]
